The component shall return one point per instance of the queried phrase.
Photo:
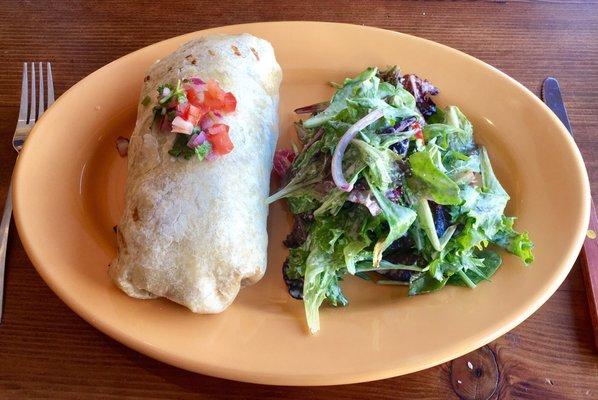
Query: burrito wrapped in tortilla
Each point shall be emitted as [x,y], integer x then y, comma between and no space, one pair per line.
[194,224]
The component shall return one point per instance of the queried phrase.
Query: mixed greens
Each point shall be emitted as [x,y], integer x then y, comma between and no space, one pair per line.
[390,188]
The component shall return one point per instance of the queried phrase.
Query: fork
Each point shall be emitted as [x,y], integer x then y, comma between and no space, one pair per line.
[29,112]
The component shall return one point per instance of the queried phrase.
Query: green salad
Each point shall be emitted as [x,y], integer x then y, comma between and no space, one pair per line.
[392,189]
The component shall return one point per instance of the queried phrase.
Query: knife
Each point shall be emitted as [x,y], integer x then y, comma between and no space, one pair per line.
[551,94]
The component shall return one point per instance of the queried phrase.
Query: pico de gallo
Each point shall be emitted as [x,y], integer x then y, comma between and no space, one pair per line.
[193,110]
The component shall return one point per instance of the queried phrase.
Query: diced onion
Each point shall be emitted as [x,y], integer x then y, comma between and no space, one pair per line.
[196,140]
[208,120]
[211,156]
[196,81]
[122,145]
[179,125]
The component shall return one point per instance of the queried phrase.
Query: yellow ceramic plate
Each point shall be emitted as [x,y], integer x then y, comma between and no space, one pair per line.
[69,194]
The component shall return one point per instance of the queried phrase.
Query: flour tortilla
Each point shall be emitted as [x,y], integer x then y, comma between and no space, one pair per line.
[195,231]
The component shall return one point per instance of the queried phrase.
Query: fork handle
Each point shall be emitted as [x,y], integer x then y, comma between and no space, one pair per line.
[4,241]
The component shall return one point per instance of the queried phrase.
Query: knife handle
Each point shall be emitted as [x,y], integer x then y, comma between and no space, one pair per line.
[589,266]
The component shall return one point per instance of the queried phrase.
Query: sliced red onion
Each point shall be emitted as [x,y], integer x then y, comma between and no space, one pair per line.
[413,82]
[365,198]
[341,147]
[166,92]
[312,108]
[179,125]
[283,158]
[196,140]
[122,145]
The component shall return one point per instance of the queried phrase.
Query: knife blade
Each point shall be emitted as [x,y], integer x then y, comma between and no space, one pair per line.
[551,94]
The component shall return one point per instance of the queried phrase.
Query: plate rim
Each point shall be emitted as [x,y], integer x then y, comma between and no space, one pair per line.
[302,380]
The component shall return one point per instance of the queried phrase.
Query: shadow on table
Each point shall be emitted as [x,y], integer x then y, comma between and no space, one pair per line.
[218,388]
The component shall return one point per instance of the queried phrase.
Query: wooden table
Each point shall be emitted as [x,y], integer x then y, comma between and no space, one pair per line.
[47,351]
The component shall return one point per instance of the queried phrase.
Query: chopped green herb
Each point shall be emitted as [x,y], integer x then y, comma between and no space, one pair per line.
[146,101]
[180,148]
[203,150]
[176,93]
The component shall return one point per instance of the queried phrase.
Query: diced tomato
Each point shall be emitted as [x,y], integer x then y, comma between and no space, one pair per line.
[194,114]
[194,97]
[214,90]
[418,131]
[219,100]
[221,144]
[212,103]
[218,129]
[213,98]
[229,103]
[183,110]
[219,139]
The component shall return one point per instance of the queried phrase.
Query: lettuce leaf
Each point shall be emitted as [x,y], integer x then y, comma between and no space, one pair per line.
[364,81]
[308,174]
[399,220]
[477,268]
[382,165]
[464,269]
[320,276]
[452,130]
[304,200]
[512,241]
[430,182]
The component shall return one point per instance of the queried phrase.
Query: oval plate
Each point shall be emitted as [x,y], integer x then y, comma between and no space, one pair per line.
[69,194]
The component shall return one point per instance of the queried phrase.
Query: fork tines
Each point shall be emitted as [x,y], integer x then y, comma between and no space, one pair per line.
[34,100]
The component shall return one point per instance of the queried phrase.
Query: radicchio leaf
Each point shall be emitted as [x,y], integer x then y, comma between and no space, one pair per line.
[300,230]
[421,89]
[283,158]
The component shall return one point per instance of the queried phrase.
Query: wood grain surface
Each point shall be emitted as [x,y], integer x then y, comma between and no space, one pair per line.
[47,351]
[588,260]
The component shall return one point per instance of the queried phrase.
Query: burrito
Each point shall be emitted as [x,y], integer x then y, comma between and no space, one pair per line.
[199,160]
